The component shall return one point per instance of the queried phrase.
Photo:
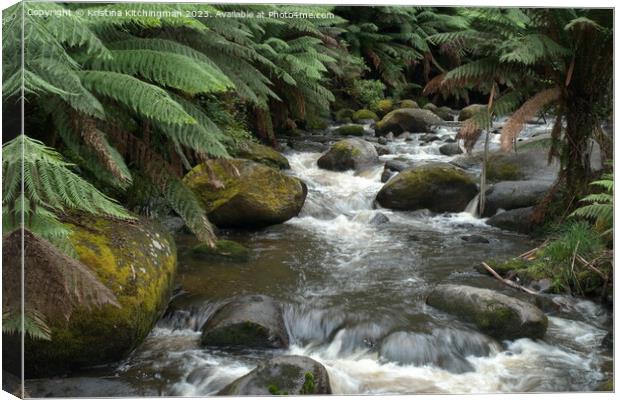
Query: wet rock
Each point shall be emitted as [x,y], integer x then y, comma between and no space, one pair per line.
[350,130]
[379,219]
[382,140]
[444,113]
[608,341]
[308,146]
[509,195]
[257,196]
[261,154]
[136,261]
[348,154]
[382,150]
[172,224]
[249,321]
[517,220]
[495,314]
[412,120]
[284,375]
[450,149]
[396,165]
[444,348]
[224,249]
[542,285]
[448,139]
[86,387]
[429,137]
[474,239]
[404,136]
[437,187]
[386,175]
[470,111]
[389,136]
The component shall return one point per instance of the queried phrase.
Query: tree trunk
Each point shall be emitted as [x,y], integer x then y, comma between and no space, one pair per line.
[580,126]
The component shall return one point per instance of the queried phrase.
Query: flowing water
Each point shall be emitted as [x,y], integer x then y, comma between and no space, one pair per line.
[353,294]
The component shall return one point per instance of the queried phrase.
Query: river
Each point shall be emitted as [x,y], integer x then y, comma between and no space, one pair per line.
[354,298]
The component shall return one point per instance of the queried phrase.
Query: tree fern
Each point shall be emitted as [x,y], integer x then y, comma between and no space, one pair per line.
[601,205]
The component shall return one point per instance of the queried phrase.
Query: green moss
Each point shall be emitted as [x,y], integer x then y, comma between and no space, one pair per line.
[430,107]
[503,268]
[408,104]
[261,154]
[382,107]
[317,123]
[344,115]
[226,249]
[138,263]
[606,386]
[364,114]
[309,385]
[500,169]
[350,130]
[470,111]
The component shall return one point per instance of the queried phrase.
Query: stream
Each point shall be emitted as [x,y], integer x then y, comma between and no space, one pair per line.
[354,298]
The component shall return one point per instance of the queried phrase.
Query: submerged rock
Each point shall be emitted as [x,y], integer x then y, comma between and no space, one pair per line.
[474,239]
[261,154]
[379,219]
[137,261]
[437,187]
[509,195]
[257,196]
[249,321]
[355,154]
[412,120]
[284,375]
[517,220]
[224,249]
[493,313]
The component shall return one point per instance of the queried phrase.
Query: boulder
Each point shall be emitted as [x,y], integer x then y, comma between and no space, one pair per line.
[450,149]
[444,113]
[364,115]
[249,321]
[429,137]
[408,104]
[136,262]
[343,115]
[223,250]
[383,107]
[509,195]
[496,314]
[350,130]
[261,154]
[284,375]
[396,165]
[386,175]
[412,120]
[348,154]
[257,196]
[517,220]
[437,187]
[382,150]
[469,111]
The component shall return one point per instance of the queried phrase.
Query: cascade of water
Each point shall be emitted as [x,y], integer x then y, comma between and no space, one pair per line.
[472,207]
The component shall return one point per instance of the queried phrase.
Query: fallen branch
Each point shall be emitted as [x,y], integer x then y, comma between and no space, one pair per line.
[531,252]
[508,282]
[589,265]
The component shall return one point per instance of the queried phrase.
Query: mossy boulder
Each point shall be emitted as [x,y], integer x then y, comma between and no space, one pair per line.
[444,113]
[364,115]
[261,154]
[500,168]
[437,187]
[355,154]
[248,321]
[137,262]
[243,193]
[350,130]
[469,111]
[498,315]
[408,104]
[224,249]
[344,115]
[412,120]
[382,107]
[284,375]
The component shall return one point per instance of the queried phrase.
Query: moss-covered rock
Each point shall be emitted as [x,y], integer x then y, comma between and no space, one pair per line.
[248,321]
[500,168]
[261,154]
[137,261]
[496,314]
[412,120]
[257,196]
[408,104]
[430,107]
[284,375]
[350,130]
[344,115]
[382,107]
[348,154]
[444,113]
[224,249]
[470,111]
[437,187]
[364,115]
